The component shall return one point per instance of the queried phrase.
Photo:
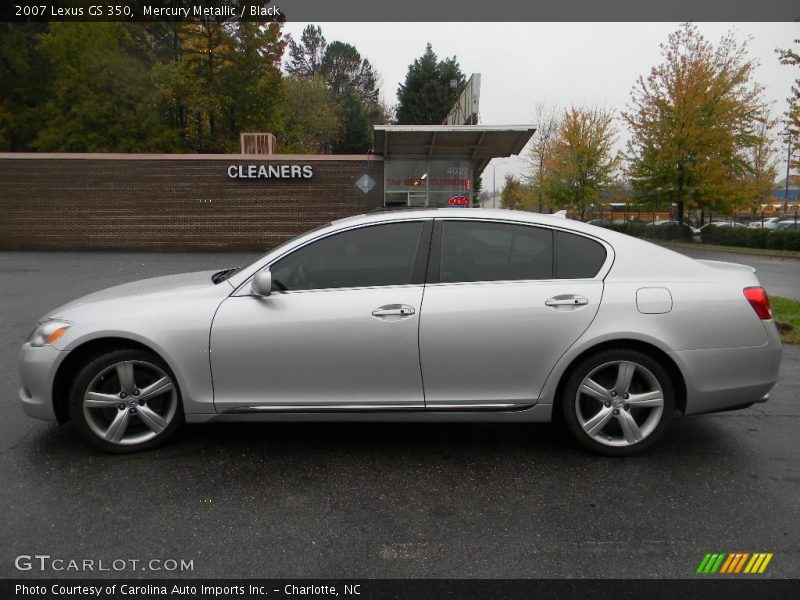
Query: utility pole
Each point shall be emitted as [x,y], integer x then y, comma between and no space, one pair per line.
[788,166]
[494,186]
[494,181]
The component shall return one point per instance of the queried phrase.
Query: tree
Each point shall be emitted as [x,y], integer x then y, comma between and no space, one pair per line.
[792,58]
[581,164]
[218,78]
[345,70]
[305,57]
[515,195]
[352,84]
[180,87]
[691,120]
[24,73]
[308,122]
[253,80]
[99,97]
[430,90]
[761,164]
[546,119]
[483,199]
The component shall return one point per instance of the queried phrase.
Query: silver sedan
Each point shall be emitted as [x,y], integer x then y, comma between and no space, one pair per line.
[423,315]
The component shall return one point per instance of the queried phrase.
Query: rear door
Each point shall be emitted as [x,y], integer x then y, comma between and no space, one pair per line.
[502,303]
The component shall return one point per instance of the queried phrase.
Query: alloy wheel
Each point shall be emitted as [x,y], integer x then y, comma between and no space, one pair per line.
[130,402]
[619,403]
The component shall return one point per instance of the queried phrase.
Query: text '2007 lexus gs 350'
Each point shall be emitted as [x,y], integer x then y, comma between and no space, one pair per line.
[448,314]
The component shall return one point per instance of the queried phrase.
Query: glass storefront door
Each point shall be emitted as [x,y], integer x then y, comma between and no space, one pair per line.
[434,182]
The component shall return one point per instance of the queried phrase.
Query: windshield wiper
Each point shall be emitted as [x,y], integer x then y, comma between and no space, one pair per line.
[221,276]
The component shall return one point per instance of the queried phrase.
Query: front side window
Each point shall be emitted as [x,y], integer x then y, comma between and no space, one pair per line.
[366,257]
[481,251]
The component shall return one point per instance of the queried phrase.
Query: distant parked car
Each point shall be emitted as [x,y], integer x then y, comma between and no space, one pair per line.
[787,224]
[768,223]
[694,231]
[605,222]
[721,224]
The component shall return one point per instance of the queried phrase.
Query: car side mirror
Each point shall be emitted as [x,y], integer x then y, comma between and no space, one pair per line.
[262,283]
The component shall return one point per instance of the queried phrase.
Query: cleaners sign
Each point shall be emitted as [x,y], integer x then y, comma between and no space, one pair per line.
[270,171]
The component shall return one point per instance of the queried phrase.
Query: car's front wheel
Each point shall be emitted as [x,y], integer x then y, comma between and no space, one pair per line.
[618,401]
[126,401]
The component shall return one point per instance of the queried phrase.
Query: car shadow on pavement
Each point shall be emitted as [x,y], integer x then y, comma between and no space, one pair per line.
[687,438]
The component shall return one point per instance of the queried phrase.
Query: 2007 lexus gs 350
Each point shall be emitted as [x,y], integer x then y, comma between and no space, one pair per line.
[448,314]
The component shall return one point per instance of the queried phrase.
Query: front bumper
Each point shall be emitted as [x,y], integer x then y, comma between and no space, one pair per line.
[730,378]
[37,371]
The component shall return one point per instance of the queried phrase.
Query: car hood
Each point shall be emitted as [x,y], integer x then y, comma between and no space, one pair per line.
[144,289]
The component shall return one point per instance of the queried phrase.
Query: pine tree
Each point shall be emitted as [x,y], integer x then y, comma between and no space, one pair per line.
[305,57]
[430,90]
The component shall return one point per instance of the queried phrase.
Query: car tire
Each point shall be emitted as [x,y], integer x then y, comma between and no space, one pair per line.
[618,401]
[126,401]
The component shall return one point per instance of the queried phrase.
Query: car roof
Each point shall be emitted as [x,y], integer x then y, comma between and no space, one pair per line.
[403,214]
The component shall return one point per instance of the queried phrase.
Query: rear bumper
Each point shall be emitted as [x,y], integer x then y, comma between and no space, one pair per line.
[730,378]
[37,370]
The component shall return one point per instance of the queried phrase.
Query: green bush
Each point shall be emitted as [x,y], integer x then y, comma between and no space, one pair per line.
[653,232]
[752,238]
[788,239]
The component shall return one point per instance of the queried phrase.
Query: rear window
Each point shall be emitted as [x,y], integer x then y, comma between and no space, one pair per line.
[578,257]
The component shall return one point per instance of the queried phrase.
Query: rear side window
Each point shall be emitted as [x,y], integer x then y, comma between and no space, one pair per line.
[577,257]
[480,251]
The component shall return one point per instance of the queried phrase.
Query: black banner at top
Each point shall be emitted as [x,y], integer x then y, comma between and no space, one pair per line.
[398,11]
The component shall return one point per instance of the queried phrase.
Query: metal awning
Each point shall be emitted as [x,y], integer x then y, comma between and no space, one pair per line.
[477,143]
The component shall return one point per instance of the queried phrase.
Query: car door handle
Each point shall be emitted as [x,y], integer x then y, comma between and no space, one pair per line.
[567,300]
[394,310]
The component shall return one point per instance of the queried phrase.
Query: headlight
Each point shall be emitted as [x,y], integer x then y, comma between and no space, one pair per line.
[48,332]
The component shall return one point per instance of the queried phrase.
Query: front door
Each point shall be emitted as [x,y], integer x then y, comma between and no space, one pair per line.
[339,332]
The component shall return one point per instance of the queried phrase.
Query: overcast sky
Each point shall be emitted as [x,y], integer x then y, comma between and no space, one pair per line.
[563,63]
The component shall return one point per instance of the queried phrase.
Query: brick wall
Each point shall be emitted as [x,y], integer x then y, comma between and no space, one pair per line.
[172,202]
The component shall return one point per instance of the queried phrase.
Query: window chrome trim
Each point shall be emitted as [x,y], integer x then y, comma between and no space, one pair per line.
[247,294]
[512,281]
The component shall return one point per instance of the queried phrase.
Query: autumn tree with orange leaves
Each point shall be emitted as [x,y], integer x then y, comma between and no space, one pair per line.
[695,120]
[791,58]
[581,162]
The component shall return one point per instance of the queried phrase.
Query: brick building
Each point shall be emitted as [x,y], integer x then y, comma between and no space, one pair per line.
[234,201]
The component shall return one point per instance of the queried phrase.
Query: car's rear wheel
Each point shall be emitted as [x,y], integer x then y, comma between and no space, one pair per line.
[126,401]
[618,401]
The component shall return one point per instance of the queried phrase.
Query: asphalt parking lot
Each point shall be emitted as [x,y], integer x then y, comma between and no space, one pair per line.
[383,500]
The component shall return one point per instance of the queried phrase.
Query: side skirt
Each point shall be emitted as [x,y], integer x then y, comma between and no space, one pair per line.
[537,413]
[372,408]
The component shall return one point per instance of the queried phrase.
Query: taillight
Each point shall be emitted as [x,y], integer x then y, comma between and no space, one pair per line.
[757,298]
